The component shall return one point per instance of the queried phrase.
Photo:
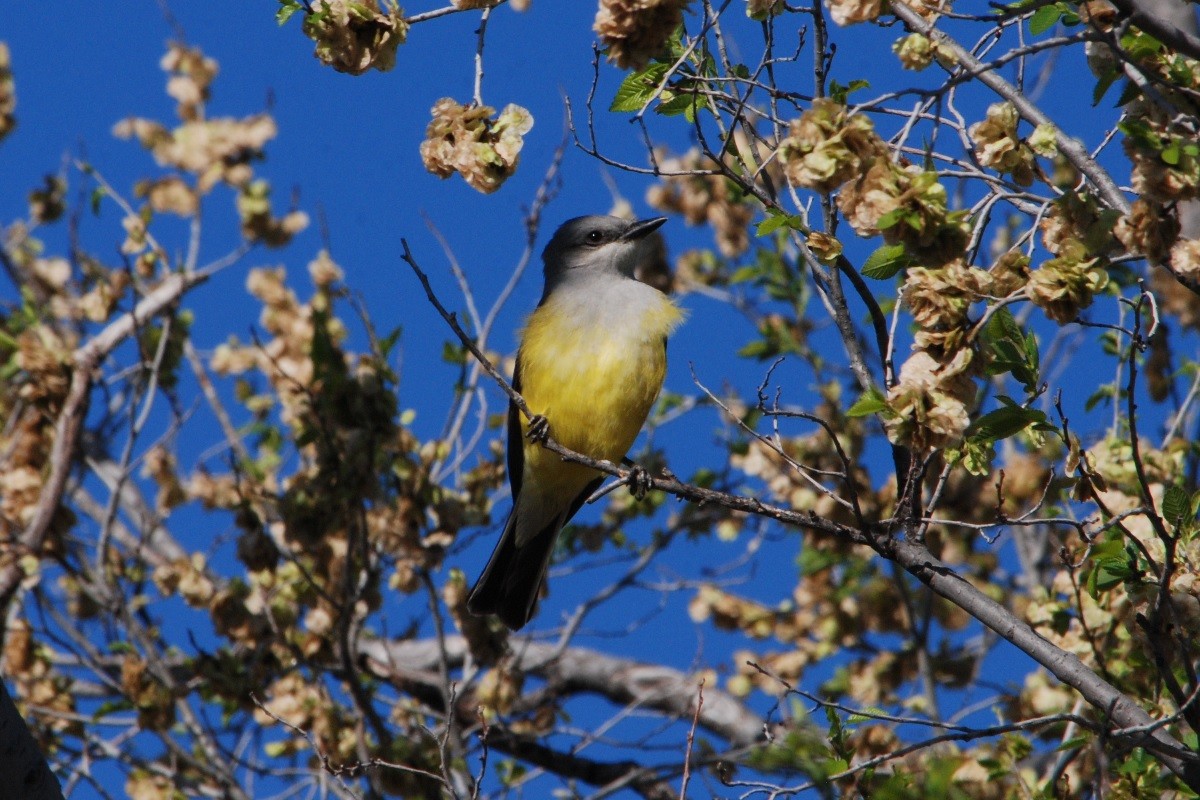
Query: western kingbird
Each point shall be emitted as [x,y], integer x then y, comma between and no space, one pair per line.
[591,362]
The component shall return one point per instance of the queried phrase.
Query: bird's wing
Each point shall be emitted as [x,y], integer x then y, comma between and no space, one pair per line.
[516,437]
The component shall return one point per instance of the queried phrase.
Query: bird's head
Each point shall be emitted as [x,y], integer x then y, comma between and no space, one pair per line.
[597,245]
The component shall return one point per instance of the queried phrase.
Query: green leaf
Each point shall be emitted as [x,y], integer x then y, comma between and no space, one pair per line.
[1130,93]
[777,220]
[1176,506]
[746,273]
[1012,349]
[812,560]
[1110,573]
[1005,422]
[1044,19]
[638,87]
[98,194]
[871,402]
[886,262]
[286,9]
[454,353]
[839,93]
[1072,743]
[891,218]
[1104,393]
[757,349]
[1104,83]
[388,342]
[673,104]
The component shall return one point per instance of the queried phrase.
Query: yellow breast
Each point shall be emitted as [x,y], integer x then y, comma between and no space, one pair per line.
[592,362]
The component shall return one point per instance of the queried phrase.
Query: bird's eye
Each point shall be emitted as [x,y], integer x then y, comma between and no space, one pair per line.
[594,237]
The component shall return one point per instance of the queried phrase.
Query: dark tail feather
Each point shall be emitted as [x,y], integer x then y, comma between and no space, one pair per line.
[512,580]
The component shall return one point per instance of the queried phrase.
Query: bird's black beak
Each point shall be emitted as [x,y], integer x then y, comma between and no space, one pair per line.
[642,228]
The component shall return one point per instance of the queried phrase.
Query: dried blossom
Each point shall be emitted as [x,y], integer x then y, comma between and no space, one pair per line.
[997,145]
[635,31]
[169,195]
[908,206]
[828,146]
[1149,229]
[464,139]
[1079,217]
[939,299]
[192,73]
[703,195]
[354,36]
[850,12]
[1064,286]
[1185,258]
[8,93]
[762,9]
[1164,152]
[1010,273]
[214,150]
[258,222]
[931,402]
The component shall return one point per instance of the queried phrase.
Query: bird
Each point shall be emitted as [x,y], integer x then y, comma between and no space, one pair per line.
[591,360]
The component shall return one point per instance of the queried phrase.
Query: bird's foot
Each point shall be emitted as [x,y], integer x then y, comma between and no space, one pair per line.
[639,480]
[538,430]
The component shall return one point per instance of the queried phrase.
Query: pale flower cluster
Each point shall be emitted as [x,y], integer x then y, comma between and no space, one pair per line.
[998,146]
[917,51]
[169,195]
[914,203]
[49,695]
[1080,219]
[635,31]
[931,403]
[286,359]
[215,150]
[850,12]
[1185,258]
[1157,176]
[703,198]
[1063,286]
[354,36]
[939,299]
[192,73]
[465,139]
[1149,229]
[187,577]
[8,93]
[259,224]
[159,465]
[828,146]
[762,9]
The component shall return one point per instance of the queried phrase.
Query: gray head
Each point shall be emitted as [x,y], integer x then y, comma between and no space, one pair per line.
[596,245]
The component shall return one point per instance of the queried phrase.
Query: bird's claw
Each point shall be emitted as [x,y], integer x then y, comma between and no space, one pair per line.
[538,430]
[640,481]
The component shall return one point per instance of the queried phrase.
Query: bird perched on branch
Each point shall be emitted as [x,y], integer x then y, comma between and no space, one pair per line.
[591,361]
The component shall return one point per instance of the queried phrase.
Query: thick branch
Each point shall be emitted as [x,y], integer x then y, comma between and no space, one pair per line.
[1121,710]
[1144,15]
[643,780]
[578,670]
